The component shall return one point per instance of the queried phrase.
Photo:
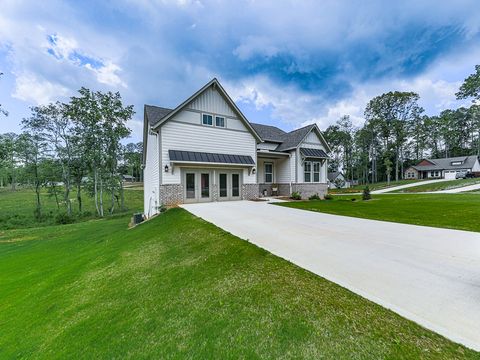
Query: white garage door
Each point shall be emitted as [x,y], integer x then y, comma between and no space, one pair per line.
[450,175]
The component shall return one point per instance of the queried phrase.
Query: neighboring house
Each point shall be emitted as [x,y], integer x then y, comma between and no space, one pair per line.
[445,168]
[128,178]
[206,150]
[336,180]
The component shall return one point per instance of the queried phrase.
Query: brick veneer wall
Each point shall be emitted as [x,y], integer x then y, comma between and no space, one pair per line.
[308,189]
[249,191]
[171,194]
[283,189]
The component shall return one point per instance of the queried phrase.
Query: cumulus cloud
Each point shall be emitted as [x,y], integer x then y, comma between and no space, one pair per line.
[33,90]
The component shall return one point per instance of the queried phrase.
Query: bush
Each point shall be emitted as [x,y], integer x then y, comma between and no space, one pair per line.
[314,197]
[64,218]
[328,197]
[296,196]
[366,193]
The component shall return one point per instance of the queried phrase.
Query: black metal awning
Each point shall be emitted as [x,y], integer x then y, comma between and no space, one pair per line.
[313,153]
[203,157]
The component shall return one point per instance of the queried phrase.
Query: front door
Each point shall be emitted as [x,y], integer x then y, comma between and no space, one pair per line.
[229,185]
[197,185]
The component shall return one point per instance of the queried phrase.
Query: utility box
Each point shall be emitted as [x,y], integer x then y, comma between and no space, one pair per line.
[137,218]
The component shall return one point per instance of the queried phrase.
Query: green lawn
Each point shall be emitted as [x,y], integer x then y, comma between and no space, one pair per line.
[443,185]
[376,186]
[178,287]
[454,211]
[17,207]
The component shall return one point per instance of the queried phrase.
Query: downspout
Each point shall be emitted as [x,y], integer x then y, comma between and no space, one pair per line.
[290,162]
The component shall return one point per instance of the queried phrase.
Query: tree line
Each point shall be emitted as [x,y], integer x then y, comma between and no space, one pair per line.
[71,148]
[397,134]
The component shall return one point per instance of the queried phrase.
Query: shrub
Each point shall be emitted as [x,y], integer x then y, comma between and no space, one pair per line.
[63,218]
[314,197]
[296,196]
[366,193]
[328,197]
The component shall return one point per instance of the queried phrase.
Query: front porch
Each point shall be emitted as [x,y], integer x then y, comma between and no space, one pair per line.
[274,174]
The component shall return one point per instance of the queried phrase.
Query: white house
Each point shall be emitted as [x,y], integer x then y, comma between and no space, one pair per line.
[206,150]
[336,179]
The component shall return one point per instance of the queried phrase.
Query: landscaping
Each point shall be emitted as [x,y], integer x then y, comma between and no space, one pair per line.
[179,287]
[453,211]
[373,187]
[438,186]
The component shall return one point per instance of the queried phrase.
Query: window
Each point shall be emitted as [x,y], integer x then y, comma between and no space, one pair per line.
[219,121]
[456,163]
[207,119]
[190,185]
[316,172]
[307,168]
[223,185]
[205,185]
[268,173]
[235,185]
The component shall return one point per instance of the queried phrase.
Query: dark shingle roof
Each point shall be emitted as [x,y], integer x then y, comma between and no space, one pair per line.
[313,153]
[156,113]
[192,156]
[333,175]
[446,163]
[268,132]
[293,138]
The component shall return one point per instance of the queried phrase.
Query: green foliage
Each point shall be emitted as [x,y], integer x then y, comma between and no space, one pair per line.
[185,289]
[64,218]
[314,197]
[366,194]
[471,86]
[328,197]
[296,196]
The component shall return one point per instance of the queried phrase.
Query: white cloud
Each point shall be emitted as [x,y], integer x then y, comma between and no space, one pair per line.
[38,91]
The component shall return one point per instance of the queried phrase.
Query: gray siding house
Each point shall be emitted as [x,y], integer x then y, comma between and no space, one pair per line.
[445,168]
[206,150]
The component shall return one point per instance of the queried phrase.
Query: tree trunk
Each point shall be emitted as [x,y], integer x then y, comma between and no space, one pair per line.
[79,195]
[396,164]
[95,192]
[122,197]
[101,197]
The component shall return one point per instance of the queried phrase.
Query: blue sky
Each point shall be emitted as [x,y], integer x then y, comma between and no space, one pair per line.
[286,63]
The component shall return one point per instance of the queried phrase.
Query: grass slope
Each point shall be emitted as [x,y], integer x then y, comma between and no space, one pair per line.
[454,211]
[444,185]
[17,207]
[178,287]
[372,187]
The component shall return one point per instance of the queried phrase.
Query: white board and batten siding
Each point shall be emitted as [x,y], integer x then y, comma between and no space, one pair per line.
[151,176]
[311,141]
[179,134]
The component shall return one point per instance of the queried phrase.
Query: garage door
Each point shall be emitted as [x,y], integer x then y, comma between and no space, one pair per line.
[450,174]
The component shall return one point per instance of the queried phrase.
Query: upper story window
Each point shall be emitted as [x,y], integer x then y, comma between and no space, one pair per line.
[219,121]
[268,173]
[456,163]
[207,119]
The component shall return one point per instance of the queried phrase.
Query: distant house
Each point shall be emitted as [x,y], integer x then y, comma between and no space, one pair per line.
[128,178]
[445,168]
[337,180]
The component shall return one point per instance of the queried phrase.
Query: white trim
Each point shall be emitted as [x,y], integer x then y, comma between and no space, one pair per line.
[224,121]
[265,172]
[201,119]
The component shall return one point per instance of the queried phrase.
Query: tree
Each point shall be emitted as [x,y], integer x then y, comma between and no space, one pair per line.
[390,114]
[471,86]
[99,125]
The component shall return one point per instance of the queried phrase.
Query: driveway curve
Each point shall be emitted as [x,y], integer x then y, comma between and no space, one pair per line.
[428,275]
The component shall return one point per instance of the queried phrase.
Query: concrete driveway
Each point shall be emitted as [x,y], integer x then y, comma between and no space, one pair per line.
[405,186]
[458,190]
[428,275]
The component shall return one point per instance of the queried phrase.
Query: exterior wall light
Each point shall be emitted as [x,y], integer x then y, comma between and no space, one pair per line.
[253,171]
[166,168]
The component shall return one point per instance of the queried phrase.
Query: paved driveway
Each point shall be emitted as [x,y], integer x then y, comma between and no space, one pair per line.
[429,275]
[405,186]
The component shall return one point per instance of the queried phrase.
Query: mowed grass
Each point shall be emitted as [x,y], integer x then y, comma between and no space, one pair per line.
[443,185]
[179,287]
[375,186]
[17,207]
[454,211]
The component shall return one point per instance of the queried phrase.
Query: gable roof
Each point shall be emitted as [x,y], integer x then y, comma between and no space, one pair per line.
[333,175]
[215,83]
[467,162]
[292,139]
[155,114]
[269,133]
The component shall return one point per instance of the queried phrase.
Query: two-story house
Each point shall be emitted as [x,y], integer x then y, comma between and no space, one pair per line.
[206,150]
